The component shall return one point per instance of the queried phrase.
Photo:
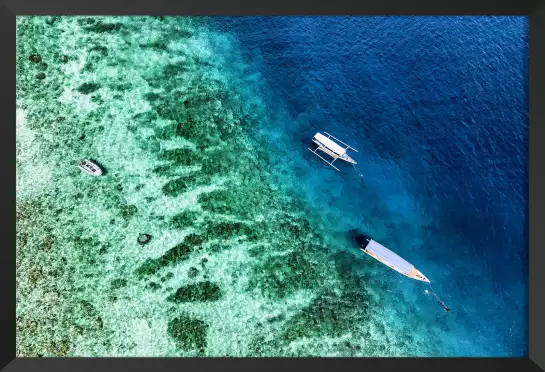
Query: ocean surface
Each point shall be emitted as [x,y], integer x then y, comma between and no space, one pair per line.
[203,124]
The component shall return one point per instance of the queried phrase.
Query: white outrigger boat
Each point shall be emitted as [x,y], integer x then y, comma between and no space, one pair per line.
[327,145]
[393,261]
[90,168]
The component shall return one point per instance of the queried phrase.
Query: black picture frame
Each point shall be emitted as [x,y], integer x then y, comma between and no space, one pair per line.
[534,9]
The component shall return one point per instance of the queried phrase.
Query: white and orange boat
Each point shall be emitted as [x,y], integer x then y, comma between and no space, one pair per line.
[388,258]
[393,261]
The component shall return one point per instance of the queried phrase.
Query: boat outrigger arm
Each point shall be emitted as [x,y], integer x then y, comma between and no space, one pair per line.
[331,148]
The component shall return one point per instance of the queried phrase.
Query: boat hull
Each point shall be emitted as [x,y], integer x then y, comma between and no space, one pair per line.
[413,273]
[90,168]
[335,156]
[348,159]
[417,275]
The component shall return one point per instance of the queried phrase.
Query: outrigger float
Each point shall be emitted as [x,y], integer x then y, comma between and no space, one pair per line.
[392,260]
[328,146]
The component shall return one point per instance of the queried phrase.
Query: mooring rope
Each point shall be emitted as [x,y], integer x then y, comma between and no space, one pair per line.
[361,174]
[437,298]
[356,168]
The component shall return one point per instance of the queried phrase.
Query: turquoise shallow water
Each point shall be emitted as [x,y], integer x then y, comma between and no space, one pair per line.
[202,126]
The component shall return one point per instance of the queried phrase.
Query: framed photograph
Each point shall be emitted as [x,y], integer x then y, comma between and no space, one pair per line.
[273,186]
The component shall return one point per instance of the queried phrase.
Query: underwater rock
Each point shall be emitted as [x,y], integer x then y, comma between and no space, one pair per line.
[167,277]
[40,76]
[128,210]
[35,58]
[81,137]
[144,239]
[51,20]
[192,272]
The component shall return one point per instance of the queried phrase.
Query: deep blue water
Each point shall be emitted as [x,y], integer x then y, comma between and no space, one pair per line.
[437,107]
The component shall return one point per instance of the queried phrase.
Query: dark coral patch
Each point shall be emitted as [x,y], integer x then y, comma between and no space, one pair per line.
[118,283]
[297,227]
[176,254]
[279,276]
[165,132]
[152,96]
[87,88]
[329,314]
[101,27]
[157,45]
[192,272]
[226,230]
[199,292]
[145,118]
[154,286]
[188,129]
[100,49]
[179,185]
[182,156]
[188,333]
[148,268]
[184,219]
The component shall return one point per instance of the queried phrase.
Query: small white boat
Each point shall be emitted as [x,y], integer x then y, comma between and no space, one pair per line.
[327,145]
[388,258]
[90,168]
